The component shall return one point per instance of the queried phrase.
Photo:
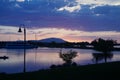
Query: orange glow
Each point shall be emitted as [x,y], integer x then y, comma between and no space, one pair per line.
[11,34]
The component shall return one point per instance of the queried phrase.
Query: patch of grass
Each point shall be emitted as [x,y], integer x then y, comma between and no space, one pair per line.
[89,72]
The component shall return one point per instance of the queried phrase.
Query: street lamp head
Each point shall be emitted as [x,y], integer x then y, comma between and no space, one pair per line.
[21,25]
[20,30]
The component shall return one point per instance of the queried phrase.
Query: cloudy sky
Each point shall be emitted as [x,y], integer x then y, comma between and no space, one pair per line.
[72,20]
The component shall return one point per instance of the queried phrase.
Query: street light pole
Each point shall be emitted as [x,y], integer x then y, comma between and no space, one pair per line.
[24,50]
[20,30]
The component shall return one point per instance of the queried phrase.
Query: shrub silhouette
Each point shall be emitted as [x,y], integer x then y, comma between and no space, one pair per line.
[68,56]
[102,45]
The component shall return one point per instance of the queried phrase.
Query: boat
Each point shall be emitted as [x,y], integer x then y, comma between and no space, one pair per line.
[4,57]
[19,45]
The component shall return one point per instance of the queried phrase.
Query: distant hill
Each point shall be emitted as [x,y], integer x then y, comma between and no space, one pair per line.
[49,40]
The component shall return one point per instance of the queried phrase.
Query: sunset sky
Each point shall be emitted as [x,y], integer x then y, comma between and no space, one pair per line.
[71,20]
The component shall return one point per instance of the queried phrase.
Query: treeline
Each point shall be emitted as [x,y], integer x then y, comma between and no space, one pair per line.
[2,44]
[61,45]
[95,44]
[52,44]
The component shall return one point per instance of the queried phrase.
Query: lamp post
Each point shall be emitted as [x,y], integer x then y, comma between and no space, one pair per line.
[20,30]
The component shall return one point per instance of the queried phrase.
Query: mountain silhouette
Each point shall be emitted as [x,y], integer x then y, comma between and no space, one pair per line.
[49,40]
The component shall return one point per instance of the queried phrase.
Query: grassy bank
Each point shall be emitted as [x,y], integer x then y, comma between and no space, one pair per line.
[89,72]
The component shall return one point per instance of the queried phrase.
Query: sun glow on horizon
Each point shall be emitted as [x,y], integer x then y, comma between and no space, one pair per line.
[10,34]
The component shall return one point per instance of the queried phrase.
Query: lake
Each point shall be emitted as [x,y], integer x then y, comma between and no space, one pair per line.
[43,58]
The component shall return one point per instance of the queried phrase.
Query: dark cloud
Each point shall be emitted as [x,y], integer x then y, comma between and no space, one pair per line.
[44,14]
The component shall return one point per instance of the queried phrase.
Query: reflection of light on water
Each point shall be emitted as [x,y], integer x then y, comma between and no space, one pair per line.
[83,58]
[117,46]
[43,58]
[116,56]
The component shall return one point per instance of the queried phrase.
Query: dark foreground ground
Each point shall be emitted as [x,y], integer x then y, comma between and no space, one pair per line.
[105,71]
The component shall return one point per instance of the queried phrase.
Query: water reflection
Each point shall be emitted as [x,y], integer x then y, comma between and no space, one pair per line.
[43,58]
[101,56]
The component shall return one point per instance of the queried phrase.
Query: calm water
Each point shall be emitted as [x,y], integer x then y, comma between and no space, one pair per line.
[43,58]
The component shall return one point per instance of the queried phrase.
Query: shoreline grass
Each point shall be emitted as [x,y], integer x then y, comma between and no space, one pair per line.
[100,71]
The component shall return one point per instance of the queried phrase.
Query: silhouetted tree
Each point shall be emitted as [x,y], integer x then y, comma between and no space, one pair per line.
[68,56]
[102,45]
